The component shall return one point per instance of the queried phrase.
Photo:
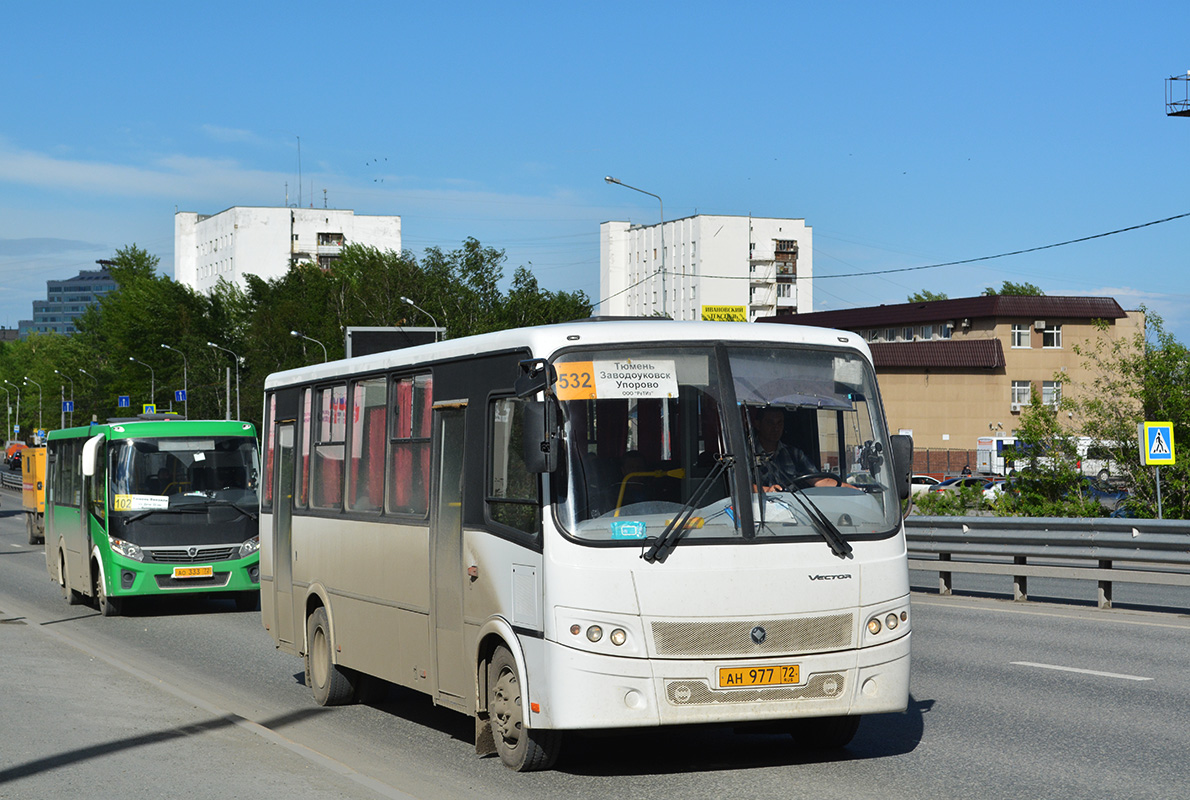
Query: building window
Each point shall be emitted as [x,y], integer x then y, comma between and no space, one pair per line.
[1020,335]
[907,334]
[944,331]
[927,332]
[330,239]
[890,334]
[1021,391]
[1051,393]
[1051,337]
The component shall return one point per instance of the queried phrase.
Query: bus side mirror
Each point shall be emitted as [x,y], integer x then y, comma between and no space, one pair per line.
[902,451]
[91,449]
[541,441]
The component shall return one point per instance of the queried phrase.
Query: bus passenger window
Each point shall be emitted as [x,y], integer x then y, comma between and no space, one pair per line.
[328,447]
[366,452]
[512,495]
[409,459]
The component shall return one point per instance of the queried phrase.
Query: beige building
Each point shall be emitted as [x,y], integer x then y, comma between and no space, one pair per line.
[951,371]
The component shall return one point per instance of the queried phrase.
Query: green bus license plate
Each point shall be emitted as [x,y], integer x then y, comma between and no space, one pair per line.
[778,675]
[193,572]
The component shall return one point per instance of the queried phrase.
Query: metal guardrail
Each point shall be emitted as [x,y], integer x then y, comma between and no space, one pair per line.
[11,479]
[1151,551]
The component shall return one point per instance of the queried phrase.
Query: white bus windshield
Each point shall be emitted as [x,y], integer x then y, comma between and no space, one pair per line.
[646,426]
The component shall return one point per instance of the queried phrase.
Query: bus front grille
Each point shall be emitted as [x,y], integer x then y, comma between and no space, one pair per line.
[732,638]
[191,555]
[698,693]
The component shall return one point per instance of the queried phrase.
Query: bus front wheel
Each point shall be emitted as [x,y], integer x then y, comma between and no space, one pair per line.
[521,748]
[329,682]
[108,606]
[824,733]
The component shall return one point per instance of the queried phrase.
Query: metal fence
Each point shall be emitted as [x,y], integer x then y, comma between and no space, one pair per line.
[10,479]
[1101,550]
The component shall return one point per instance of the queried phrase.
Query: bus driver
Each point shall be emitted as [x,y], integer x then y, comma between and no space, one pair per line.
[779,464]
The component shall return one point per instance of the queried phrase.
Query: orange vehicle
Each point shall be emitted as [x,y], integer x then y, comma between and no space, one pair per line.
[33,492]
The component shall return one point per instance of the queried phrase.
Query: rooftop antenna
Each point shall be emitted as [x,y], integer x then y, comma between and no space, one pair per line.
[1177,95]
[324,198]
[299,171]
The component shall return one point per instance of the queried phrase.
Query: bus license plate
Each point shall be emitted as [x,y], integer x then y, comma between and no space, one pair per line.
[777,675]
[193,572]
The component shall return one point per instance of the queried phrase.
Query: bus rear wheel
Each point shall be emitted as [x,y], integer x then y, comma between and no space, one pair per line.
[330,683]
[71,597]
[521,748]
[31,525]
[824,733]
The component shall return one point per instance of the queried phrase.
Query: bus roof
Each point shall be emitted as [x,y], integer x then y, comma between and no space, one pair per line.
[158,429]
[543,341]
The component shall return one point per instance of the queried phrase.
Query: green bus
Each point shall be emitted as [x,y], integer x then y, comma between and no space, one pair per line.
[153,505]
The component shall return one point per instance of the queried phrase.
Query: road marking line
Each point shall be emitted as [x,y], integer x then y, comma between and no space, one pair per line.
[1083,671]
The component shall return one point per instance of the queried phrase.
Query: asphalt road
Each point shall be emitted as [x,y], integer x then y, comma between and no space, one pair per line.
[189,697]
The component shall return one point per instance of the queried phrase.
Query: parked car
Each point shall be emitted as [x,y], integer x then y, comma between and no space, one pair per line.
[961,482]
[993,489]
[922,483]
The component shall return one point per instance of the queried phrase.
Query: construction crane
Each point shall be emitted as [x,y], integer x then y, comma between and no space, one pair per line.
[1177,95]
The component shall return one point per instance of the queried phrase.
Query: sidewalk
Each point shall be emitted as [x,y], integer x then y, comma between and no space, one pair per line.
[74,725]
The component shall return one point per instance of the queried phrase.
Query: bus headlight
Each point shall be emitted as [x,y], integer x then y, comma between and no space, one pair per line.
[249,547]
[606,633]
[126,549]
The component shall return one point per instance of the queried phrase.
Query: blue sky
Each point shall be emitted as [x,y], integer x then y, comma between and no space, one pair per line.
[905,134]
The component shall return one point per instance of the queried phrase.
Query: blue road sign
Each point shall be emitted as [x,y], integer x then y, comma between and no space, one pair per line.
[180,395]
[68,406]
[124,401]
[1156,443]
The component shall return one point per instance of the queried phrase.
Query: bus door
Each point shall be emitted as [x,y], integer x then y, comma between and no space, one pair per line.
[283,468]
[453,674]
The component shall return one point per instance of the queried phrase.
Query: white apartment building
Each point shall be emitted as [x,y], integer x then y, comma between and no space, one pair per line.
[708,267]
[265,241]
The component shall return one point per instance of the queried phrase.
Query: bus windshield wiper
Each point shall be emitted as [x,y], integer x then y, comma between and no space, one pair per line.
[170,510]
[826,529]
[192,508]
[673,531]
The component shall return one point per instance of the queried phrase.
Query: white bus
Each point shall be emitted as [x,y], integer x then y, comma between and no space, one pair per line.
[562,528]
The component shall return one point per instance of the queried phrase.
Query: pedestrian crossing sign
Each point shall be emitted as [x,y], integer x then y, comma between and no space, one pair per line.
[1156,443]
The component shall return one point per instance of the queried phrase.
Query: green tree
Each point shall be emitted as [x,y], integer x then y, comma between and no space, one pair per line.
[1046,479]
[1019,289]
[926,296]
[1137,379]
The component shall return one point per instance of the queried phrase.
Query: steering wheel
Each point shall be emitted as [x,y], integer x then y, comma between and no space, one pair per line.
[811,478]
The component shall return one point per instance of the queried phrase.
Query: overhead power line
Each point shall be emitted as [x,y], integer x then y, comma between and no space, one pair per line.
[1004,255]
[924,266]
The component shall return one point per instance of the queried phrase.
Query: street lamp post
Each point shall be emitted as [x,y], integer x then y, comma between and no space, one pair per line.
[13,385]
[664,297]
[300,335]
[152,380]
[427,313]
[237,360]
[56,372]
[8,407]
[38,385]
[185,388]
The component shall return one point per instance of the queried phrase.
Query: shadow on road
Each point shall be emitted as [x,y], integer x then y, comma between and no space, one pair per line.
[707,749]
[69,757]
